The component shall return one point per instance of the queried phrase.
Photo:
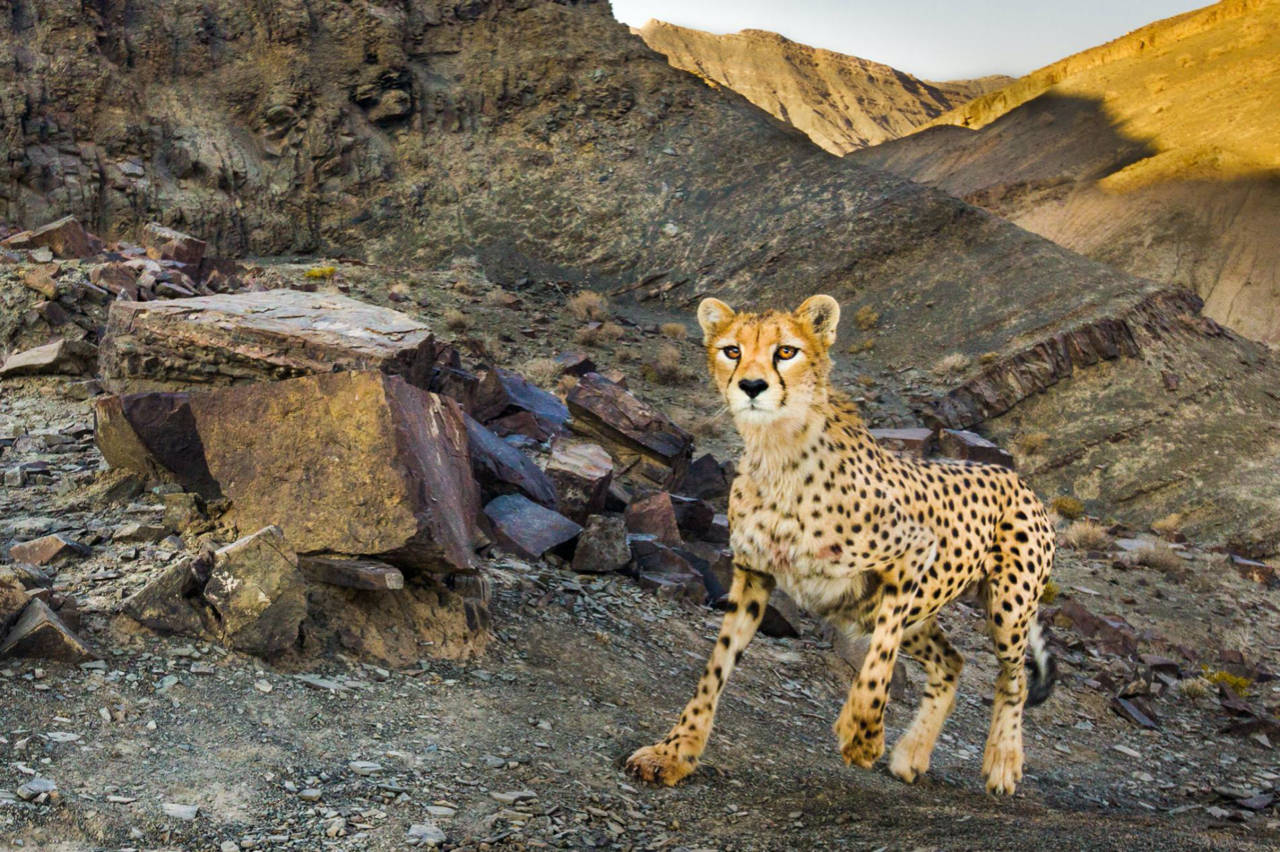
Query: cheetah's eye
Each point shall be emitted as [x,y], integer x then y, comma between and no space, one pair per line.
[786,353]
[733,353]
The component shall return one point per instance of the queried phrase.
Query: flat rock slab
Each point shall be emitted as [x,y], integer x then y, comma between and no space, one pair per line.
[633,431]
[351,573]
[47,549]
[258,593]
[500,468]
[581,472]
[527,529]
[970,446]
[357,463]
[40,634]
[64,237]
[64,357]
[251,337]
[917,442]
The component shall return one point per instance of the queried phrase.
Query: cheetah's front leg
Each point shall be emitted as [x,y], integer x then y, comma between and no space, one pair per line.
[860,727]
[677,755]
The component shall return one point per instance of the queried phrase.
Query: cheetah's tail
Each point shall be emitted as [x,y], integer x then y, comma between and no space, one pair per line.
[1044,669]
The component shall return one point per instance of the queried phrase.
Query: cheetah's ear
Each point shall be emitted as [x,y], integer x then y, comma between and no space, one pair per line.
[822,313]
[712,316]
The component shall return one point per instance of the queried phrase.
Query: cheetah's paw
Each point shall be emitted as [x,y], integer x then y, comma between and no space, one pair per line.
[1002,767]
[910,759]
[861,742]
[661,764]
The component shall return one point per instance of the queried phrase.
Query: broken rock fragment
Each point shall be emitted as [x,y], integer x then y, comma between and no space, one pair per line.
[257,593]
[351,573]
[603,546]
[500,468]
[47,549]
[64,237]
[40,633]
[164,243]
[526,529]
[228,339]
[970,446]
[171,602]
[654,515]
[357,463]
[65,357]
[581,472]
[915,442]
[642,439]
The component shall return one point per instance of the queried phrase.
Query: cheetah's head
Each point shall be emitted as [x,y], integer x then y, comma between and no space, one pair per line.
[772,367]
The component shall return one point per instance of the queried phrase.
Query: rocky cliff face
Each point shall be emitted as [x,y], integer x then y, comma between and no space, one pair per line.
[1156,153]
[841,102]
[548,141]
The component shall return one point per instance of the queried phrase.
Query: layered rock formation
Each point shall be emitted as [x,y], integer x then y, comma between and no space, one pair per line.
[841,102]
[1158,153]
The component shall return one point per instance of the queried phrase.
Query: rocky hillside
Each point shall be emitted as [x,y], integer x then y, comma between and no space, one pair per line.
[841,102]
[546,140]
[1156,153]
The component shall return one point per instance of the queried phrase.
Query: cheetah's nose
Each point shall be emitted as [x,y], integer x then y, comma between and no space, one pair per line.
[753,387]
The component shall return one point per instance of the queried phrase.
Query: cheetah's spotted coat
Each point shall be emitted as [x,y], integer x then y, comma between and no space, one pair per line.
[872,542]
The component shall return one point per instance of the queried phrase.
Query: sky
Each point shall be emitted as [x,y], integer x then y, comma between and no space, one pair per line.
[933,39]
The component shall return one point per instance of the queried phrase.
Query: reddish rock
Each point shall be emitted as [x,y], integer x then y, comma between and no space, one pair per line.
[686,586]
[970,446]
[41,278]
[458,384]
[575,363]
[632,431]
[526,529]
[252,337]
[524,423]
[581,472]
[705,478]
[916,442]
[652,556]
[602,547]
[117,278]
[65,238]
[694,517]
[154,434]
[502,392]
[357,463]
[654,515]
[164,243]
[500,468]
[64,357]
[46,550]
[351,573]
[40,634]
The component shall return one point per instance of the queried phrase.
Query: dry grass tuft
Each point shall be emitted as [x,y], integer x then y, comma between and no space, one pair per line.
[1158,557]
[866,344]
[589,305]
[674,330]
[320,273]
[1032,443]
[541,371]
[988,357]
[1068,507]
[698,425]
[666,366]
[1086,535]
[1169,526]
[456,320]
[597,335]
[950,365]
[866,318]
[1194,688]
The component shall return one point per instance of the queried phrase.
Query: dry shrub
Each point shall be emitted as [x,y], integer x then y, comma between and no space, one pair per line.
[1168,526]
[665,366]
[1194,687]
[1033,443]
[951,364]
[1068,507]
[1086,535]
[456,320]
[988,357]
[866,344]
[1049,593]
[320,273]
[1158,557]
[674,330]
[541,371]
[499,298]
[866,318]
[866,381]
[589,305]
[1236,683]
[596,335]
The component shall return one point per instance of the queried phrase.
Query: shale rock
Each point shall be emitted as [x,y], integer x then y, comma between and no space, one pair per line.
[67,357]
[252,337]
[172,602]
[500,468]
[644,441]
[13,597]
[962,444]
[581,472]
[915,442]
[153,434]
[258,593]
[40,633]
[164,243]
[357,463]
[64,237]
[351,573]
[603,546]
[654,515]
[527,529]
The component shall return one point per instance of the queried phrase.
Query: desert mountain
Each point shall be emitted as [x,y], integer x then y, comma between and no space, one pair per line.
[841,102]
[546,140]
[1158,153]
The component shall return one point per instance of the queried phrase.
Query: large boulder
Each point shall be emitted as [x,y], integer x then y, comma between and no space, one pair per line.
[164,243]
[230,339]
[155,435]
[357,463]
[64,237]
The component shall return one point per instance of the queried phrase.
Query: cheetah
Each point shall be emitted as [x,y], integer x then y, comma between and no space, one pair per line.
[868,540]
